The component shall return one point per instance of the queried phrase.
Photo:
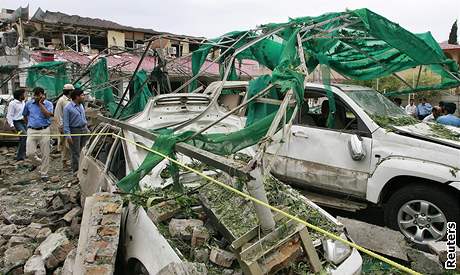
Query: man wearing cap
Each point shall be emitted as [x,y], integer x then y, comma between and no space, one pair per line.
[37,113]
[58,118]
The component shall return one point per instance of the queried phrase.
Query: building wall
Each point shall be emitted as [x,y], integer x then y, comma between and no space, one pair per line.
[115,39]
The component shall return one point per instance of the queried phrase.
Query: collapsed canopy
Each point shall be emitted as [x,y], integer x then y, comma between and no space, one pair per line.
[359,44]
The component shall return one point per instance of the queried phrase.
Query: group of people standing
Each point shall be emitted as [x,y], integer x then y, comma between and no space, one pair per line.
[33,119]
[444,113]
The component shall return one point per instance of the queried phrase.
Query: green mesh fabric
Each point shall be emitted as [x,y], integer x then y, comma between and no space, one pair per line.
[99,76]
[221,144]
[141,96]
[359,44]
[51,76]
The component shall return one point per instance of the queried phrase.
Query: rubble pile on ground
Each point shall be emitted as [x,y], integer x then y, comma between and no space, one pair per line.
[201,223]
[39,221]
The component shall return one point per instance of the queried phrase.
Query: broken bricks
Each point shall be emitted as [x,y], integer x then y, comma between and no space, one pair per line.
[163,211]
[221,257]
[183,228]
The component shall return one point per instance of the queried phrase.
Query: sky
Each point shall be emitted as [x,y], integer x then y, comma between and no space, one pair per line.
[212,18]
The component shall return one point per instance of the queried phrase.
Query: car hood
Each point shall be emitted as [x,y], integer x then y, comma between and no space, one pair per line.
[441,134]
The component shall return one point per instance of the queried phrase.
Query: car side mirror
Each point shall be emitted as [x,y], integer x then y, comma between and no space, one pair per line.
[356,147]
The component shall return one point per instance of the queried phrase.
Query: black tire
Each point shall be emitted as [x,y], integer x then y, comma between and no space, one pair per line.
[447,202]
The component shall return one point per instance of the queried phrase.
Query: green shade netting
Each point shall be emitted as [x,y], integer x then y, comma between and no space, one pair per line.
[141,96]
[362,46]
[284,75]
[99,77]
[221,144]
[51,76]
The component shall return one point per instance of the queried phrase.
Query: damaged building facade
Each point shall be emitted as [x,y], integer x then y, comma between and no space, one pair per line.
[78,41]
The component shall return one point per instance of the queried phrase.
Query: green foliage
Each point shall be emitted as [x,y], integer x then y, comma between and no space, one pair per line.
[440,131]
[453,34]
[387,122]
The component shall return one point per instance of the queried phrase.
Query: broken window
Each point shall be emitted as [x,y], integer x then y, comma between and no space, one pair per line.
[117,166]
[78,43]
[129,44]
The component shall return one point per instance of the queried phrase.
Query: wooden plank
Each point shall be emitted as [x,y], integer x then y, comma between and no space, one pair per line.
[251,234]
[255,269]
[271,241]
[310,250]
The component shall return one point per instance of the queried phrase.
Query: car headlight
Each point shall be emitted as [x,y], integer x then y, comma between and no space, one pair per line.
[336,251]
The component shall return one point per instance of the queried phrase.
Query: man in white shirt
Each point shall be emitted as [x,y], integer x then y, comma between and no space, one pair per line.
[58,117]
[411,109]
[15,119]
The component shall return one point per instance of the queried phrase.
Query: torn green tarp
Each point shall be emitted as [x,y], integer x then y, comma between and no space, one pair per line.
[141,96]
[51,76]
[99,77]
[362,46]
[285,76]
[359,44]
[221,144]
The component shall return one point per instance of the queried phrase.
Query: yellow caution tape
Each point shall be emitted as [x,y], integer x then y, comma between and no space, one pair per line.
[244,195]
[18,134]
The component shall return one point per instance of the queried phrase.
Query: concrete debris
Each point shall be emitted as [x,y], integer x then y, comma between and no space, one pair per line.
[424,263]
[43,234]
[35,266]
[17,255]
[440,249]
[54,249]
[72,214]
[30,211]
[57,203]
[15,240]
[163,211]
[7,230]
[201,255]
[372,237]
[183,228]
[184,268]
[200,236]
[221,257]
[67,268]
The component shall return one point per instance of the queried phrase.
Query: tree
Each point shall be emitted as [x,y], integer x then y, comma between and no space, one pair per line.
[453,34]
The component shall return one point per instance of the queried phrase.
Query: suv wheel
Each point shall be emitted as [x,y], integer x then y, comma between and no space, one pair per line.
[421,212]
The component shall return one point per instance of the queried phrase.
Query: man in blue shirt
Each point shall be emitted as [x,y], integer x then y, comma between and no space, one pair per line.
[37,115]
[74,121]
[423,109]
[449,118]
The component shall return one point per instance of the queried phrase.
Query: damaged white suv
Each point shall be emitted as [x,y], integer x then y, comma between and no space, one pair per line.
[412,170]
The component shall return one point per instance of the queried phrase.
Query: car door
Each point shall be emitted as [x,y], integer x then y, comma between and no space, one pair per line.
[93,166]
[317,156]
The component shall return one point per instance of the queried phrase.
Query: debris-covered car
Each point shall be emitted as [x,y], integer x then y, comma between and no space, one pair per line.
[374,153]
[208,225]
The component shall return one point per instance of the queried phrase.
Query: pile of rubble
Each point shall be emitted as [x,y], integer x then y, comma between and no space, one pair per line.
[39,221]
[215,231]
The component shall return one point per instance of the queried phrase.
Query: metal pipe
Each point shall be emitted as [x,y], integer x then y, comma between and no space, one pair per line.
[227,72]
[215,60]
[256,189]
[132,77]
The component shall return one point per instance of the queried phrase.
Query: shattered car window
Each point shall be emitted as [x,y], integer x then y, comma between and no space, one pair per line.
[375,104]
